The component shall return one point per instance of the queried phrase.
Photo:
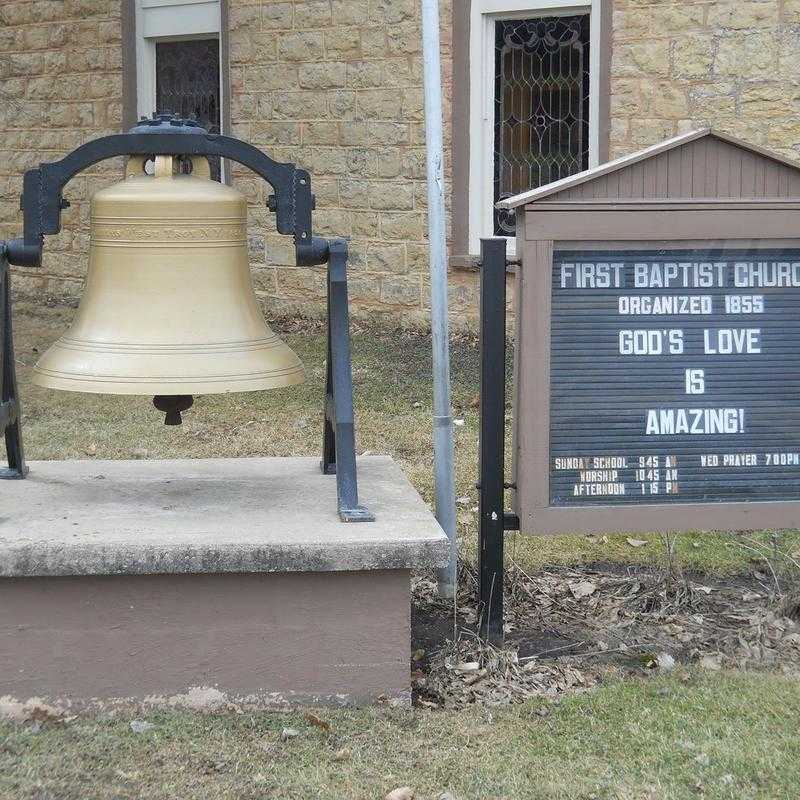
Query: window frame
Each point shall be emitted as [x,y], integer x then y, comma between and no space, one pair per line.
[171,21]
[147,22]
[483,15]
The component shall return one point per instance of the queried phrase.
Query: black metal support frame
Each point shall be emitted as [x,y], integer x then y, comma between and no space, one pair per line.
[292,202]
[338,440]
[10,409]
[493,519]
[42,199]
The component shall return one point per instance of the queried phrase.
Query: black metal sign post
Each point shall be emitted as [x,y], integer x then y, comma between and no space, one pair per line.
[292,204]
[493,520]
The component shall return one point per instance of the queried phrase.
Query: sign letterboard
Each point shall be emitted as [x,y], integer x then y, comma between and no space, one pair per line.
[675,376]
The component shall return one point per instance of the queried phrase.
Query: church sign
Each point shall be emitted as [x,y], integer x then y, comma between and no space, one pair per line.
[657,352]
[674,376]
[657,372]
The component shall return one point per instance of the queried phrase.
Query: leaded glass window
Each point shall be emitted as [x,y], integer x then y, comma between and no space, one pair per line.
[187,83]
[541,131]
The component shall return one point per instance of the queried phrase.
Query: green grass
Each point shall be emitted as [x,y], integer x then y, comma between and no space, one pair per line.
[726,735]
[392,376]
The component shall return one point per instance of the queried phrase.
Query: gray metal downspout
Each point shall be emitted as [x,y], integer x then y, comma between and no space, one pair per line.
[437,244]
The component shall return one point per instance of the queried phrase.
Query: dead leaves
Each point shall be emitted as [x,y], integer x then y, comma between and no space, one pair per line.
[576,624]
[34,710]
[42,712]
[646,610]
[469,672]
[592,620]
[401,793]
[317,722]
[663,662]
[582,589]
[213,766]
[479,675]
[792,639]
[636,542]
[289,733]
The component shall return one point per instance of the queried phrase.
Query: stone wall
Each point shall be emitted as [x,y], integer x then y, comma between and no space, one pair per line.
[730,64]
[60,84]
[336,86]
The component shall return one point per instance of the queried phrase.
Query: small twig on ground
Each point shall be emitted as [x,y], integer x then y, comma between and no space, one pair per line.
[553,650]
[593,653]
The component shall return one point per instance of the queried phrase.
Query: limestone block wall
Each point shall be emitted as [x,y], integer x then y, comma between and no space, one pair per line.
[336,85]
[731,64]
[60,84]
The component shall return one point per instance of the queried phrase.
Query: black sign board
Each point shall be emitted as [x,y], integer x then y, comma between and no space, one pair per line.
[675,376]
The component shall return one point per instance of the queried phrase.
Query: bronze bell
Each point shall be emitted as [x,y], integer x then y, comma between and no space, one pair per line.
[169,308]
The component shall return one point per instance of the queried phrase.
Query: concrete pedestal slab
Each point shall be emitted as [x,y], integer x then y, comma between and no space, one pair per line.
[137,578]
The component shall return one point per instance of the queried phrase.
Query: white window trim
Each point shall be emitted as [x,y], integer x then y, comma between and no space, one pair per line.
[169,21]
[483,15]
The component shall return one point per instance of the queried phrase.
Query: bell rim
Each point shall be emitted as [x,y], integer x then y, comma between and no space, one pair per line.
[68,382]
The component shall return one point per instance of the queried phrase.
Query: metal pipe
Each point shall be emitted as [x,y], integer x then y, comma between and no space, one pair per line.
[437,246]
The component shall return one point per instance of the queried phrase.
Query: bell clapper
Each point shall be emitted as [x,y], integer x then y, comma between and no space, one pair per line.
[172,405]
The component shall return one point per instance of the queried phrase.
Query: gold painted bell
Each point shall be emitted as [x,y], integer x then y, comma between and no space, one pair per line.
[168,308]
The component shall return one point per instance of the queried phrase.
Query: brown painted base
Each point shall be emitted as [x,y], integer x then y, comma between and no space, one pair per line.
[313,636]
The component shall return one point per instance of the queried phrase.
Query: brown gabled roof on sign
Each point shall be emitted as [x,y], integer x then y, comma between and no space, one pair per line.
[634,158]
